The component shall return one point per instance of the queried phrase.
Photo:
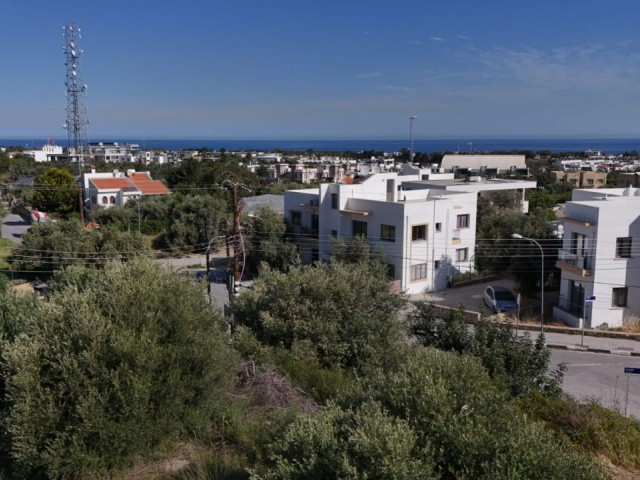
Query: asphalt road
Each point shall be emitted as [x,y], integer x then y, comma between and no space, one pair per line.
[601,377]
[13,227]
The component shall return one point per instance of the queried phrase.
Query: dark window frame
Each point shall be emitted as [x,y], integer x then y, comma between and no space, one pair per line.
[388,233]
[619,297]
[419,233]
[623,247]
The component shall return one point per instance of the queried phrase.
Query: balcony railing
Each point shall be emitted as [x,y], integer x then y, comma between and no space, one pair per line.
[575,260]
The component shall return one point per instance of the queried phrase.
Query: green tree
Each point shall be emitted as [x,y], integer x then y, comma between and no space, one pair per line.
[50,246]
[194,221]
[265,241]
[109,367]
[344,314]
[56,191]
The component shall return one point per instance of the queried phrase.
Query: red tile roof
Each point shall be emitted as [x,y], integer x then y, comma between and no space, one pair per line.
[111,183]
[148,186]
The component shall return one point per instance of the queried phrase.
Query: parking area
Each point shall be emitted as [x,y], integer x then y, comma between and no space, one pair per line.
[470,297]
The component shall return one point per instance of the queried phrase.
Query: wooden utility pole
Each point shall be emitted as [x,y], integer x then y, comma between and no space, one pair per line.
[236,232]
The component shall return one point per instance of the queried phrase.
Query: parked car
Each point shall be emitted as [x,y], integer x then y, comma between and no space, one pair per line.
[500,299]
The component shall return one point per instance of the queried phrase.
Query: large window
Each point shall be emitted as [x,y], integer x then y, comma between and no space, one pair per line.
[388,233]
[463,221]
[619,297]
[418,272]
[462,255]
[296,218]
[334,200]
[418,232]
[623,247]
[359,228]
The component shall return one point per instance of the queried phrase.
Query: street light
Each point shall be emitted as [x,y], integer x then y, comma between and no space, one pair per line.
[520,237]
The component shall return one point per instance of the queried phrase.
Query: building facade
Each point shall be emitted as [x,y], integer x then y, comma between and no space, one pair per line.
[425,236]
[600,258]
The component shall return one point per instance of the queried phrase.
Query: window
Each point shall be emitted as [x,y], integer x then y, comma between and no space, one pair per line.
[419,271]
[359,228]
[334,233]
[112,200]
[334,200]
[388,233]
[105,200]
[463,221]
[462,255]
[436,264]
[418,232]
[296,217]
[438,227]
[623,247]
[619,297]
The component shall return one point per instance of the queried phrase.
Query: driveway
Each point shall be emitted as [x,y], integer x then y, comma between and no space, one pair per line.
[13,227]
[469,296]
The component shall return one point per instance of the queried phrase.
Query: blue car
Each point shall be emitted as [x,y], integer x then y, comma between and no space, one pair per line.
[500,300]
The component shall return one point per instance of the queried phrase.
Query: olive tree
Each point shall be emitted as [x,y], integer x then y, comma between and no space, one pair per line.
[111,364]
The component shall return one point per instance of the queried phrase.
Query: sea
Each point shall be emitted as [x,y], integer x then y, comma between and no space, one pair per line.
[612,146]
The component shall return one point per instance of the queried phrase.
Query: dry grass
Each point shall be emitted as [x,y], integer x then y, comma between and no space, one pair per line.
[631,324]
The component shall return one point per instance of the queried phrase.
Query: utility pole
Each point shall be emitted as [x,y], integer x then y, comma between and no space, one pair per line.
[411,119]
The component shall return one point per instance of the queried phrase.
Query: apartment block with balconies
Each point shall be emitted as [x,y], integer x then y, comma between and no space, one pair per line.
[600,258]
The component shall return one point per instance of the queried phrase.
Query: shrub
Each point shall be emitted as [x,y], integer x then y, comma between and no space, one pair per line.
[345,314]
[465,422]
[109,368]
[365,442]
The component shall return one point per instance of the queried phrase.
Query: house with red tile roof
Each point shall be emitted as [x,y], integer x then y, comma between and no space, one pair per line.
[116,188]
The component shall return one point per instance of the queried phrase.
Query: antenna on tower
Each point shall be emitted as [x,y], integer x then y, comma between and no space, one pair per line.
[76,92]
[411,119]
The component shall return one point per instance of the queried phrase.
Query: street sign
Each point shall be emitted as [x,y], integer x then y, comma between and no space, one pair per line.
[635,370]
[592,298]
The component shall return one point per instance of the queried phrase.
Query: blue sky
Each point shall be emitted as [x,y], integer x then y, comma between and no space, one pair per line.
[281,69]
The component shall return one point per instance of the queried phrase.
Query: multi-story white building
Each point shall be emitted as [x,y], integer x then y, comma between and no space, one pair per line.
[48,153]
[600,258]
[426,236]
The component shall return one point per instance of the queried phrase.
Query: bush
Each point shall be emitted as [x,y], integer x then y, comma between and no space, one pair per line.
[593,428]
[109,368]
[517,361]
[465,422]
[365,442]
[345,314]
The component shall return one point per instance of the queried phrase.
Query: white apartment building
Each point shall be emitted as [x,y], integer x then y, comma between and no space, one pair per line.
[426,236]
[600,258]
[48,153]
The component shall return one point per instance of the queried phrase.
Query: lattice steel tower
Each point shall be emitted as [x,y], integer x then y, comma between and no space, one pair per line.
[77,118]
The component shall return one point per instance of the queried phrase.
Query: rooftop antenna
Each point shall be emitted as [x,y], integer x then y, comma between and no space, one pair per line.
[76,91]
[411,119]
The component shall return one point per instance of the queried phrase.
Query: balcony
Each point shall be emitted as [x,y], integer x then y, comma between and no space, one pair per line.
[308,232]
[574,263]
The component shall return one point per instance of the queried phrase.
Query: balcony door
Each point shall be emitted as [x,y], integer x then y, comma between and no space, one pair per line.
[579,248]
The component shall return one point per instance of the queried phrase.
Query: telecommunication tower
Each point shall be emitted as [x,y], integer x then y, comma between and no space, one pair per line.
[77,118]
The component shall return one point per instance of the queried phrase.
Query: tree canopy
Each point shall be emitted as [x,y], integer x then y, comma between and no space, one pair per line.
[112,363]
[56,191]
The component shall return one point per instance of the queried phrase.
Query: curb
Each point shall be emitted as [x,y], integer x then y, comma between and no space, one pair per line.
[580,348]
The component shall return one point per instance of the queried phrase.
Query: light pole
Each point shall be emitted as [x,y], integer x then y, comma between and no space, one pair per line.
[520,237]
